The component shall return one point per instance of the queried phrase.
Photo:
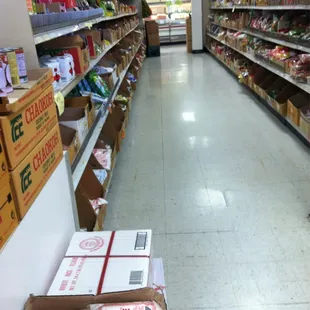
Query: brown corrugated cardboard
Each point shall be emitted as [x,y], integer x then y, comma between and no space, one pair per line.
[70,141]
[153,39]
[83,102]
[304,121]
[80,302]
[93,37]
[76,118]
[39,80]
[21,131]
[280,102]
[8,216]
[30,176]
[294,104]
[4,170]
[151,27]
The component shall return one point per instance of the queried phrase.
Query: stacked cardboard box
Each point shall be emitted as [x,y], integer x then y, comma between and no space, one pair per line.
[152,35]
[189,34]
[31,138]
[105,262]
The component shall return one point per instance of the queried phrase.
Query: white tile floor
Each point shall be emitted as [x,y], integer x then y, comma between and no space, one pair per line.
[224,186]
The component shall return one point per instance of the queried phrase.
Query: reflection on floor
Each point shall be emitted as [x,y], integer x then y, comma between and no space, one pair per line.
[224,186]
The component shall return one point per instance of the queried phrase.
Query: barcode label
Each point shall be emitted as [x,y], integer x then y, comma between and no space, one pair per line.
[141,241]
[136,277]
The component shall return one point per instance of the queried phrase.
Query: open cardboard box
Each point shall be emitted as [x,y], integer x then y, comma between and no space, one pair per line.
[4,170]
[70,141]
[108,135]
[89,188]
[92,37]
[295,103]
[95,165]
[280,102]
[76,118]
[265,84]
[304,121]
[83,102]
[107,63]
[117,118]
[38,81]
[278,85]
[122,60]
[117,60]
[73,45]
[82,301]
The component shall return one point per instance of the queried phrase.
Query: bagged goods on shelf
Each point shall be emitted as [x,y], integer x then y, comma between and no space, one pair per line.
[70,141]
[98,85]
[9,220]
[30,176]
[76,118]
[81,302]
[21,131]
[128,306]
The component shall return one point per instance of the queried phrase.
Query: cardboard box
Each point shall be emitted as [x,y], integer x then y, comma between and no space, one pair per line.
[151,27]
[159,283]
[39,80]
[76,118]
[83,102]
[87,275]
[304,121]
[107,63]
[70,141]
[22,131]
[8,216]
[153,39]
[124,243]
[30,176]
[149,305]
[88,189]
[295,103]
[73,45]
[80,302]
[276,86]
[93,38]
[4,171]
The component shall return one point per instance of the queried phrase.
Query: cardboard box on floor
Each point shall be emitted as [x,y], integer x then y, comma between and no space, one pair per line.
[151,26]
[30,176]
[4,169]
[73,45]
[70,141]
[8,215]
[76,118]
[21,131]
[39,80]
[88,189]
[295,103]
[83,102]
[82,301]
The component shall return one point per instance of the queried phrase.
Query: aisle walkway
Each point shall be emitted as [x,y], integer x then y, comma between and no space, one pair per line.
[224,186]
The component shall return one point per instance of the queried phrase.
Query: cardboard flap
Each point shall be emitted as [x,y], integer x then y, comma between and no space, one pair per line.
[72,114]
[108,134]
[299,100]
[90,184]
[67,134]
[287,92]
[93,162]
[82,301]
[65,41]
[86,213]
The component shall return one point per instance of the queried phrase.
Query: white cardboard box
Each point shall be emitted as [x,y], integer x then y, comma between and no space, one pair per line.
[81,275]
[125,243]
[149,305]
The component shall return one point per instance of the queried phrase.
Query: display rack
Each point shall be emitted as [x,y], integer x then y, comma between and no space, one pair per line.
[266,37]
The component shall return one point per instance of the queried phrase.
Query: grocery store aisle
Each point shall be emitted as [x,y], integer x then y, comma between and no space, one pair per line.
[224,186]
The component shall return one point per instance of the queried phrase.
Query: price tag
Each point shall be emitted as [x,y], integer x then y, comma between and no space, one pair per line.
[89,25]
[60,102]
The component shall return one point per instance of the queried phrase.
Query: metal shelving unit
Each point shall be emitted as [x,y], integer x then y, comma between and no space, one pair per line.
[271,7]
[56,33]
[305,87]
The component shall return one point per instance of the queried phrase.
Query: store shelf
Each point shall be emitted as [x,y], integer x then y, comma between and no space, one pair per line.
[264,36]
[271,7]
[65,88]
[56,33]
[305,87]
[82,158]
[285,120]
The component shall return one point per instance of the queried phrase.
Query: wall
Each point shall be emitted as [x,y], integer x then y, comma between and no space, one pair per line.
[197,32]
